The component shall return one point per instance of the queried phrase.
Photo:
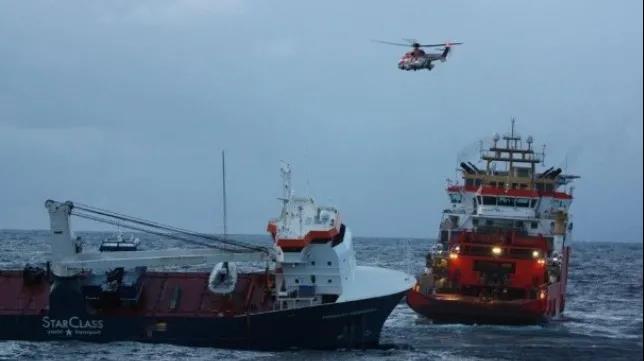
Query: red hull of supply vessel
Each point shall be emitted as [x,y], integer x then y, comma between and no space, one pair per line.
[502,256]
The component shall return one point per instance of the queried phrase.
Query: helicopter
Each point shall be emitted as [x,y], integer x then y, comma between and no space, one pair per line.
[417,58]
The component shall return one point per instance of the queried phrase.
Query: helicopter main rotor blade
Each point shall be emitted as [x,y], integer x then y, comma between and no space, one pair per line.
[391,43]
[438,45]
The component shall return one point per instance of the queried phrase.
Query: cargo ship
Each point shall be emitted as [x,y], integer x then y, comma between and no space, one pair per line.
[303,291]
[502,256]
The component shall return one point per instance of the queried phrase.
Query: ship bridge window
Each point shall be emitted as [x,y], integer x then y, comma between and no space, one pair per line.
[455,197]
[523,172]
[489,201]
[523,202]
[505,201]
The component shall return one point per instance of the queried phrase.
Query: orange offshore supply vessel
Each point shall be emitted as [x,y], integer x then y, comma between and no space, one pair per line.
[502,255]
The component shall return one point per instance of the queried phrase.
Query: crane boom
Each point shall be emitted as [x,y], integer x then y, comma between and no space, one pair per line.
[155,258]
[68,258]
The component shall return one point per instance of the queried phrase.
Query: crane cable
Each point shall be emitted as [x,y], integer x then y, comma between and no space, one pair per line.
[155,225]
[160,234]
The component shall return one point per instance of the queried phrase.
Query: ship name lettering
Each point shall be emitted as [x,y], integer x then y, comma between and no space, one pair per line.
[74,322]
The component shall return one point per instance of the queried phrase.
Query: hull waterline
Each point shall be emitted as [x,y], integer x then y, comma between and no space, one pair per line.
[35,315]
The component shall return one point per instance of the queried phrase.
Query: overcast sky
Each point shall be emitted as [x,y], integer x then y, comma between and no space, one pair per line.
[126,105]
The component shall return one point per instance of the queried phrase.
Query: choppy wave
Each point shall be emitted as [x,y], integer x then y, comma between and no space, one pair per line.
[603,318]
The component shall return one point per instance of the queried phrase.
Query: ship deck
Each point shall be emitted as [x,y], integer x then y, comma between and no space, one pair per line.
[164,294]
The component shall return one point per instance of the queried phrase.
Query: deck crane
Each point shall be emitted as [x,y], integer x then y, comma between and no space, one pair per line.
[69,259]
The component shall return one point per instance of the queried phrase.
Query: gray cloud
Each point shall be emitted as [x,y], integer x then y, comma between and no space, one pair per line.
[127,105]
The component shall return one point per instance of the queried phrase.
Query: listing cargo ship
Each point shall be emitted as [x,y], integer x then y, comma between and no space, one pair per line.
[502,256]
[307,291]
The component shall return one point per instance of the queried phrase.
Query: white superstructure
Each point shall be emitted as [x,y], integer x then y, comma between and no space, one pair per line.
[509,193]
[318,263]
[312,255]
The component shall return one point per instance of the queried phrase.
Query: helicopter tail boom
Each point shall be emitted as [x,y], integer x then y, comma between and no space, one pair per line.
[445,52]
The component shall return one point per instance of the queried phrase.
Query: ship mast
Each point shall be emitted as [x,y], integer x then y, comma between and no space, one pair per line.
[517,159]
[287,192]
[223,175]
[533,166]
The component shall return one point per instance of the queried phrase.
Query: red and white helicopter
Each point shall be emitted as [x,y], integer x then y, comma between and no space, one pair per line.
[417,58]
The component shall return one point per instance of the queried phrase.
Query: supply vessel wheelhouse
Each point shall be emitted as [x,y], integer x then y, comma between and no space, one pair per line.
[502,256]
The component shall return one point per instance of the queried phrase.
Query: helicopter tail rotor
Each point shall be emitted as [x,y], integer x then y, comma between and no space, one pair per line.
[447,50]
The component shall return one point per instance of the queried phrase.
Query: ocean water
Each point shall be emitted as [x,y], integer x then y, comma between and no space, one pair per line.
[602,321]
